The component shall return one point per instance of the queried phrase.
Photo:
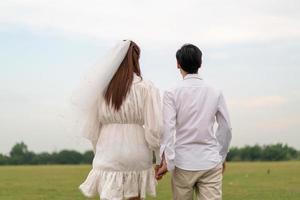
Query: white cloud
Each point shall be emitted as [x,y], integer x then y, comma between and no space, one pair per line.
[207,22]
[259,102]
[278,124]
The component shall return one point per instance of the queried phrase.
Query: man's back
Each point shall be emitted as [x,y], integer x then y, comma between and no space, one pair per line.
[189,146]
[192,108]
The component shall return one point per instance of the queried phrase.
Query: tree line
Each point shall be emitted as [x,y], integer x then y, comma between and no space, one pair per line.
[20,155]
[274,152]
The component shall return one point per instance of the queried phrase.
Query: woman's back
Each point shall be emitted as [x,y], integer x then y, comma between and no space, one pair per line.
[123,132]
[127,138]
[132,109]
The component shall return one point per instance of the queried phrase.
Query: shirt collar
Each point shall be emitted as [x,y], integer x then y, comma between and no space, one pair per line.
[192,76]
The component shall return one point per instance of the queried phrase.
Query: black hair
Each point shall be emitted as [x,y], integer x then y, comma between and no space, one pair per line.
[189,57]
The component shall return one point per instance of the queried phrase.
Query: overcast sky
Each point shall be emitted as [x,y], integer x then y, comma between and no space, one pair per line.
[250,48]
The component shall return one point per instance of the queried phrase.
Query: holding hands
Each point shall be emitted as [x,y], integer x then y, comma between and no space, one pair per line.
[161,170]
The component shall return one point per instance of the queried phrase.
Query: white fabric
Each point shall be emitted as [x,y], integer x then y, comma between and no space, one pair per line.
[189,113]
[86,98]
[122,165]
[119,185]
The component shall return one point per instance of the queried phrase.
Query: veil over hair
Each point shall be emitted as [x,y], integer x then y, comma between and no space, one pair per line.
[121,82]
[91,89]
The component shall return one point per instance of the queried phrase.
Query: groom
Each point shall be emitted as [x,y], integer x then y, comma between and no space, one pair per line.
[191,149]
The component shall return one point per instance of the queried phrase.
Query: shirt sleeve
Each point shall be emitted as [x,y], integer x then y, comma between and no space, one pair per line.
[169,130]
[153,120]
[223,132]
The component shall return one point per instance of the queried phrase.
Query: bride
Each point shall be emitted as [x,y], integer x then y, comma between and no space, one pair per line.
[122,116]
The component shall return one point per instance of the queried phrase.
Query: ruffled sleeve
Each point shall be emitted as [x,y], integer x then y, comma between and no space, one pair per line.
[153,119]
[92,127]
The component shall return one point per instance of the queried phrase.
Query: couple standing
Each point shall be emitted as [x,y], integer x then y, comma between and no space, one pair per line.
[126,124]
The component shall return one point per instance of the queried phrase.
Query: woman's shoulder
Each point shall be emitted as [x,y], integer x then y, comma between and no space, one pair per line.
[145,85]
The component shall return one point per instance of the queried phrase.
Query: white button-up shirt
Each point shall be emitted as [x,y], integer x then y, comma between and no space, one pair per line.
[190,111]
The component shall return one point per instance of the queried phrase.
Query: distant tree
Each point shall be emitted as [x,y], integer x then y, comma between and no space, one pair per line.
[42,158]
[274,153]
[4,160]
[251,153]
[68,157]
[291,153]
[19,154]
[20,149]
[88,157]
[246,153]
[255,153]
[234,154]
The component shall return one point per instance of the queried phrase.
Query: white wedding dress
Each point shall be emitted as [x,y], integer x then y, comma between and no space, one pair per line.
[124,145]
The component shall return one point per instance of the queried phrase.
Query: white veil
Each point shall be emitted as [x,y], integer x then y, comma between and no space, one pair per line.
[91,89]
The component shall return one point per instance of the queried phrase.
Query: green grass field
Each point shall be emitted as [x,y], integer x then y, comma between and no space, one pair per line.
[242,181]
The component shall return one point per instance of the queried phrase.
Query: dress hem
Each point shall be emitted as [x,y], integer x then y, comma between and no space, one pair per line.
[119,185]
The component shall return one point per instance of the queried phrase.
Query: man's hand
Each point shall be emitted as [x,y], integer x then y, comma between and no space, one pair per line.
[162,169]
[156,169]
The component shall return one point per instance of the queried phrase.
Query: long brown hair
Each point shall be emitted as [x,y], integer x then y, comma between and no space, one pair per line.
[121,82]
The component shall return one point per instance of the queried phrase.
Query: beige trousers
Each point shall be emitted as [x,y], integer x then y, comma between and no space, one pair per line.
[207,184]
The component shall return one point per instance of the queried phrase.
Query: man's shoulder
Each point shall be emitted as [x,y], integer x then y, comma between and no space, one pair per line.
[183,86]
[211,88]
[173,89]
